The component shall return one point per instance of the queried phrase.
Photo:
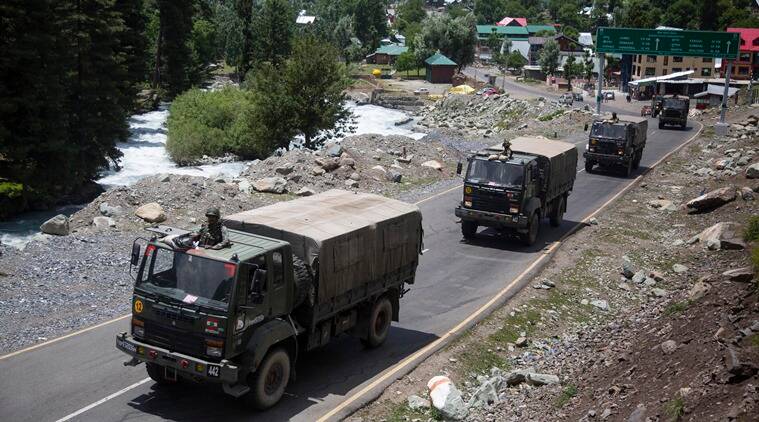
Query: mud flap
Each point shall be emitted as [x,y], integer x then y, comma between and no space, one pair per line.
[170,374]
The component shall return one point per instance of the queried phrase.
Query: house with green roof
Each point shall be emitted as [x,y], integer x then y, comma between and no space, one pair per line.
[515,33]
[386,54]
[440,69]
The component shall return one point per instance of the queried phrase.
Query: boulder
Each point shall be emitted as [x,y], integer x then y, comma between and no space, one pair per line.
[304,191]
[627,268]
[318,171]
[711,200]
[347,162]
[355,176]
[152,213]
[244,186]
[103,222]
[741,275]
[747,194]
[699,290]
[487,393]
[276,185]
[600,304]
[58,225]
[662,204]
[351,183]
[725,235]
[417,403]
[537,380]
[669,347]
[163,178]
[394,176]
[752,171]
[333,149]
[639,277]
[327,164]
[406,159]
[110,211]
[679,268]
[433,164]
[447,398]
[285,169]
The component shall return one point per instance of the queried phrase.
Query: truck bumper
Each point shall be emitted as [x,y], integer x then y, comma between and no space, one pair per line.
[492,219]
[606,159]
[188,366]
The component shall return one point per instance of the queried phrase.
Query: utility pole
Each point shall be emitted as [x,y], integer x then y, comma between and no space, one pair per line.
[601,61]
[721,127]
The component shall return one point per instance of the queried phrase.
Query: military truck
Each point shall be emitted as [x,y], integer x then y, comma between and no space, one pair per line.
[512,189]
[297,274]
[674,111]
[616,142]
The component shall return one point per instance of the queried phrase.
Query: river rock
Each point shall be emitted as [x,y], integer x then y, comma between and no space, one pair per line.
[394,176]
[276,185]
[537,380]
[327,164]
[103,222]
[58,225]
[725,235]
[662,204]
[433,164]
[304,191]
[747,194]
[752,171]
[334,149]
[699,290]
[679,268]
[244,186]
[285,169]
[355,176]
[711,200]
[318,171]
[347,162]
[110,211]
[740,275]
[351,183]
[152,213]
[669,347]
[417,403]
[628,270]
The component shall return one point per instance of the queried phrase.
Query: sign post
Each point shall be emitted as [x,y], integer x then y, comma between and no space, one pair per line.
[667,42]
[600,82]
[721,127]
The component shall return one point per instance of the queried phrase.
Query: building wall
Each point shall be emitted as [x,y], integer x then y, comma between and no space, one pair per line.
[440,74]
[646,66]
[744,67]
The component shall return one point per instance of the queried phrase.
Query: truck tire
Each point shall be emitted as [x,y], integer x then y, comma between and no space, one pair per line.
[268,383]
[628,168]
[589,166]
[379,323]
[157,373]
[558,213]
[636,161]
[468,229]
[305,291]
[533,228]
[683,125]
[661,124]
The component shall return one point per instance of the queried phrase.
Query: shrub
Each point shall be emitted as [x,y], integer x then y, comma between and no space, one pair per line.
[752,229]
[213,123]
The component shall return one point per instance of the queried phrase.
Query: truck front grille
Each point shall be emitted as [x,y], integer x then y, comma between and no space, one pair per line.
[606,147]
[486,201]
[671,113]
[173,339]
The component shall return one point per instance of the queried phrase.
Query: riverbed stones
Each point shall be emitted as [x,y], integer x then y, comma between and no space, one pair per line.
[305,191]
[333,149]
[327,164]
[244,186]
[103,222]
[285,169]
[110,211]
[151,212]
[58,226]
[393,175]
[711,200]
[277,185]
[752,171]
[740,275]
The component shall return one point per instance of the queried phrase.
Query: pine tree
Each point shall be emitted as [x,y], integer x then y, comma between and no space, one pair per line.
[175,64]
[273,31]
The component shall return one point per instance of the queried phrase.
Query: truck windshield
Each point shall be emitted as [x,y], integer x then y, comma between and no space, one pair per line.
[495,173]
[673,103]
[608,130]
[187,278]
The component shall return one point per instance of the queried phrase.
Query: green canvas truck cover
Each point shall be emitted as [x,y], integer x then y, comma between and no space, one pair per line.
[348,238]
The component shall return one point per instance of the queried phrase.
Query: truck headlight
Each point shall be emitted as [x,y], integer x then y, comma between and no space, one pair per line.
[214,348]
[240,322]
[468,204]
[514,210]
[138,327]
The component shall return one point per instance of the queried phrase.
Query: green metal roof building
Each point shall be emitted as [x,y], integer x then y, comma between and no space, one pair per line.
[440,69]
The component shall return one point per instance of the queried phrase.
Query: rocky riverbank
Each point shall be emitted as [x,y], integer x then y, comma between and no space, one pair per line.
[651,312]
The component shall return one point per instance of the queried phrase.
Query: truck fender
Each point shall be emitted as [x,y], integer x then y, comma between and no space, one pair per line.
[265,336]
[532,205]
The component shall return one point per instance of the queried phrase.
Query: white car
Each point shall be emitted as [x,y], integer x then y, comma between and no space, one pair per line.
[421,91]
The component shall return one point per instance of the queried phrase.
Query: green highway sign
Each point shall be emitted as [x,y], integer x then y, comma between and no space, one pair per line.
[668,42]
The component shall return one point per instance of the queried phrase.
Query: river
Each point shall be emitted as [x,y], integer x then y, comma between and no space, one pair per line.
[144,154]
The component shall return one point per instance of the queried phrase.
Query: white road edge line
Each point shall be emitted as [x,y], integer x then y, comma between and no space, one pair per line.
[103,400]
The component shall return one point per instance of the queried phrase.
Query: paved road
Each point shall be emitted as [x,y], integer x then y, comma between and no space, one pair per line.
[454,279]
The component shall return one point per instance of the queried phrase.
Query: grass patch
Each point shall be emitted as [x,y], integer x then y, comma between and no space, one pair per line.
[566,395]
[755,261]
[675,409]
[11,190]
[551,116]
[753,340]
[400,412]
[479,358]
[677,307]
[751,232]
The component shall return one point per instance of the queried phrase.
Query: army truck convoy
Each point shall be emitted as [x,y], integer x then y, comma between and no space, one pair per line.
[298,273]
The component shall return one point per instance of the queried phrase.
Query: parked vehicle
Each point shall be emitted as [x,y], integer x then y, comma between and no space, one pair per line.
[566,99]
[646,110]
[421,91]
[577,96]
[513,189]
[609,95]
[616,142]
[297,274]
[674,111]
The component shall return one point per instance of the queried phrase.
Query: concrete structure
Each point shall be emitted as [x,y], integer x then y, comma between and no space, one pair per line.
[586,39]
[747,65]
[647,66]
[514,32]
[644,89]
[567,47]
[712,97]
[440,69]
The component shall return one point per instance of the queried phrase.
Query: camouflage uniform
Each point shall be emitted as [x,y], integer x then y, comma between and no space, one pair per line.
[213,235]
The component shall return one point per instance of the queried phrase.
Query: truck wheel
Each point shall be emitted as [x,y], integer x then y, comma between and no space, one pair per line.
[682,126]
[379,323]
[636,161]
[468,229]
[558,213]
[533,227]
[588,166]
[628,169]
[158,374]
[304,284]
[270,380]
[661,125]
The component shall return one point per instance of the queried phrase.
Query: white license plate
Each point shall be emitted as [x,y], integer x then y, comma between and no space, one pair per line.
[126,346]
[213,371]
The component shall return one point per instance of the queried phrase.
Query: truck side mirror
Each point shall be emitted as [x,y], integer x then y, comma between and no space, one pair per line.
[459,168]
[135,259]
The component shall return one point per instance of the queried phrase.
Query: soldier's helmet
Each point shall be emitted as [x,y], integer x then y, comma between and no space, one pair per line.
[213,212]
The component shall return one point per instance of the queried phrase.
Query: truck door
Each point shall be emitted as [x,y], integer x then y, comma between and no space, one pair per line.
[278,292]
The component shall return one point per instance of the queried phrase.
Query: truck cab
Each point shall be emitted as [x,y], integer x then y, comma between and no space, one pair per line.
[674,111]
[513,190]
[616,142]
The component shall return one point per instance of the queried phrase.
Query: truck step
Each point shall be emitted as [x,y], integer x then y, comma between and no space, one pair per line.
[237,390]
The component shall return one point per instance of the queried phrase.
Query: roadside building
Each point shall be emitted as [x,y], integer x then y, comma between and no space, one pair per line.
[508,21]
[440,69]
[567,47]
[746,66]
[516,34]
[586,40]
[648,66]
[304,19]
[386,54]
[712,97]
